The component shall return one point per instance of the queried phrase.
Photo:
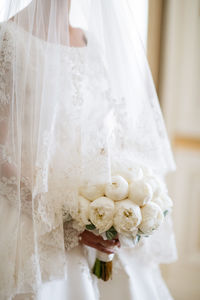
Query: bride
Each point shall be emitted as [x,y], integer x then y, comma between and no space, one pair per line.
[76,107]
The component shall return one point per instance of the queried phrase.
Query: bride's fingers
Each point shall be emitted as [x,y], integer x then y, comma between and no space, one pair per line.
[106,243]
[97,242]
[97,246]
[89,236]
[109,243]
[118,244]
[85,242]
[105,250]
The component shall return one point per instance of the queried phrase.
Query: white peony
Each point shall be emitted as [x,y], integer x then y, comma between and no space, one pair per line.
[101,213]
[131,173]
[163,201]
[152,218]
[140,192]
[156,184]
[92,192]
[127,217]
[136,173]
[147,171]
[117,189]
[81,215]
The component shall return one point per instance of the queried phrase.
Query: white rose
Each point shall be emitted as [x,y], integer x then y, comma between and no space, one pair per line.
[117,189]
[152,218]
[102,213]
[81,215]
[140,192]
[127,217]
[163,201]
[92,192]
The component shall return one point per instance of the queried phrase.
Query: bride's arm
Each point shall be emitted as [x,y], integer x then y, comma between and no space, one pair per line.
[77,37]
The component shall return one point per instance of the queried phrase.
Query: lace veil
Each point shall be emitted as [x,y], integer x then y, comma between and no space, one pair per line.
[67,117]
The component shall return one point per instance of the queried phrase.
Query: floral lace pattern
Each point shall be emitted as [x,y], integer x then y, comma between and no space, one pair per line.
[6,57]
[71,239]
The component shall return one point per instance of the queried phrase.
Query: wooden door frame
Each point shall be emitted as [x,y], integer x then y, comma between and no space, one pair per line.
[155,22]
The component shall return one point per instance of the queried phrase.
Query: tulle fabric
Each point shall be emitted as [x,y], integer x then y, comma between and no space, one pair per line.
[68,116]
[10,8]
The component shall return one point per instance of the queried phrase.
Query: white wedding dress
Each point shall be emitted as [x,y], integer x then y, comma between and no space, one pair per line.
[136,274]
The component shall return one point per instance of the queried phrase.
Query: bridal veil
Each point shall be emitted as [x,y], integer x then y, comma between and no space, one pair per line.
[113,122]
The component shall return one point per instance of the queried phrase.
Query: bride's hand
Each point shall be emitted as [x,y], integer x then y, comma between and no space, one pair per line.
[90,239]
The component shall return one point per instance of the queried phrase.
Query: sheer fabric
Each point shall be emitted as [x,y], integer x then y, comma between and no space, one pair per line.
[69,116]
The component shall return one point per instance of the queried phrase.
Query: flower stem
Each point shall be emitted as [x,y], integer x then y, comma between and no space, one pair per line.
[97,268]
[102,269]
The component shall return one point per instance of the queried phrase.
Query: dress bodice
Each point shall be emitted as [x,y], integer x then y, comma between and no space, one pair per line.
[80,73]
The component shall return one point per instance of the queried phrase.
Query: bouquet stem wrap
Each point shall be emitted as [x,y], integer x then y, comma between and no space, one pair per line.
[103,265]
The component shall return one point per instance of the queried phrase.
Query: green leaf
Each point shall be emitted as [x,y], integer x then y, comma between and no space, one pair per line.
[111,233]
[140,232]
[90,226]
[138,237]
[165,212]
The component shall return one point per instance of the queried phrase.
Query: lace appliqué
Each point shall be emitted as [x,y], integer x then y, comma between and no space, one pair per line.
[71,235]
[6,58]
[77,72]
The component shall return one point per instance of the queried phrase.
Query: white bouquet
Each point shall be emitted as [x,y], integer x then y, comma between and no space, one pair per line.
[132,207]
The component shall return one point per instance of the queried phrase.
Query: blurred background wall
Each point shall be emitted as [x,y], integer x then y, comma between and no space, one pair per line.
[179,92]
[173,50]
